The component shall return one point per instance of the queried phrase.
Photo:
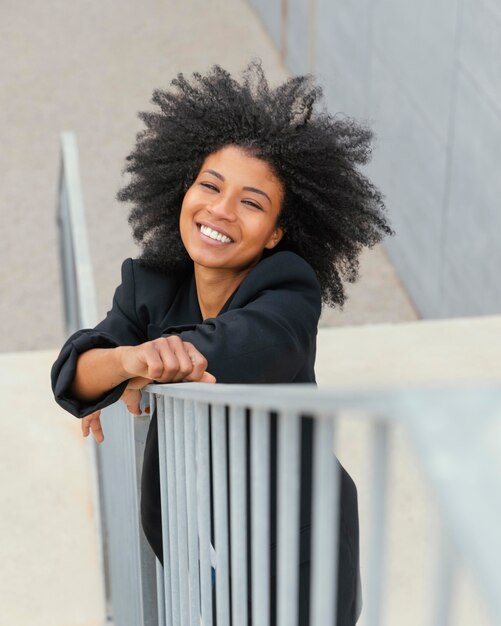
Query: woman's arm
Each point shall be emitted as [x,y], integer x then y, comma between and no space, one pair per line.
[96,365]
[97,371]
[102,369]
[166,360]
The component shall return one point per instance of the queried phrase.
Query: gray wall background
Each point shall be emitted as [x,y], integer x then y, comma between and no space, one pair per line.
[427,77]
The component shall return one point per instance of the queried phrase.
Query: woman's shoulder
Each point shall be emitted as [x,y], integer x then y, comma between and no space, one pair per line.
[286,267]
[151,288]
[138,273]
[281,280]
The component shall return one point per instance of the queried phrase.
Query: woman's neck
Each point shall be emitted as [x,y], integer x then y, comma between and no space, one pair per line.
[214,287]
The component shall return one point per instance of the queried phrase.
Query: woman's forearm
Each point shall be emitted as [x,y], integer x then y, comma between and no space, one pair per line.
[98,370]
[166,359]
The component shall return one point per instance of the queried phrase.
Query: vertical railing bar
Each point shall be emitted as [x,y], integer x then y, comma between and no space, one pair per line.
[289,438]
[238,516]
[165,594]
[204,509]
[191,489]
[172,515]
[137,580]
[135,574]
[160,583]
[147,559]
[325,524]
[260,495]
[160,594]
[443,579]
[159,571]
[127,596]
[376,541]
[182,530]
[219,476]
[131,599]
[135,598]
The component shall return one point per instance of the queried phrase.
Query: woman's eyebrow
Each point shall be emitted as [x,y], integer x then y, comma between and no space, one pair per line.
[254,189]
[216,174]
[258,191]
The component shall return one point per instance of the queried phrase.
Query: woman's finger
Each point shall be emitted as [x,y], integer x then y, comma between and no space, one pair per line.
[186,363]
[85,427]
[85,422]
[167,347]
[132,400]
[157,358]
[92,422]
[199,364]
[207,378]
[97,431]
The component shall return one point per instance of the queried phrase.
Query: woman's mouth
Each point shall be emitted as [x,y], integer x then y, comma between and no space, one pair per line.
[213,235]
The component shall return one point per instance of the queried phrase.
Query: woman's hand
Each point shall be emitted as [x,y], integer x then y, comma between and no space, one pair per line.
[166,360]
[131,397]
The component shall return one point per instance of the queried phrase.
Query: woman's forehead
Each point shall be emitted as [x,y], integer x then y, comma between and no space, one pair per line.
[236,165]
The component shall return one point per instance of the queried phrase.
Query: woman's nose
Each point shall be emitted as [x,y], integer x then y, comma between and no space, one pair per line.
[224,207]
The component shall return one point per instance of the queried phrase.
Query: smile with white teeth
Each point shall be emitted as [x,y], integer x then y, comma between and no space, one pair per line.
[214,234]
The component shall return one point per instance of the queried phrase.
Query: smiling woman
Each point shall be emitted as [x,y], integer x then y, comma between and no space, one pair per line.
[250,210]
[226,224]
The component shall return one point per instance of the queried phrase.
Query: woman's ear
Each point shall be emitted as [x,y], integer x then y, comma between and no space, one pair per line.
[275,237]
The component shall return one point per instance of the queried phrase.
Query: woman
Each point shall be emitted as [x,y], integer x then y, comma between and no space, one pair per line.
[249,209]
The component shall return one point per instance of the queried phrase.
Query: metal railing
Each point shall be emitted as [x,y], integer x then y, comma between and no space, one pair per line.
[80,309]
[456,436]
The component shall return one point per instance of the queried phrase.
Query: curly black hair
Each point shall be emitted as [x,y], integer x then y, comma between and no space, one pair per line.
[330,210]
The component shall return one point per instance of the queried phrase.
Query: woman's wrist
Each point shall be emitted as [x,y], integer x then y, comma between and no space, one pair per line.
[98,371]
[119,354]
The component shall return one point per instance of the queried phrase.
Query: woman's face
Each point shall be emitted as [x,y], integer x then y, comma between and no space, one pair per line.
[229,214]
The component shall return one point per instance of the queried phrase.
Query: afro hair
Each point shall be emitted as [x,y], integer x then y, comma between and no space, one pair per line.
[330,210]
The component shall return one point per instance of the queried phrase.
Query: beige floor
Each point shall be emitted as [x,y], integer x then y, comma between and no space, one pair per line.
[49,568]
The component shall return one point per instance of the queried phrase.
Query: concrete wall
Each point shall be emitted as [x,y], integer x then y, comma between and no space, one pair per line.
[270,12]
[427,77]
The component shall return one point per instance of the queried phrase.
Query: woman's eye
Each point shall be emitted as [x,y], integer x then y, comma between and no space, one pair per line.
[256,206]
[209,186]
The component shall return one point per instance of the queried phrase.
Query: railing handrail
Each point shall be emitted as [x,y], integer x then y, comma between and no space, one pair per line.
[392,401]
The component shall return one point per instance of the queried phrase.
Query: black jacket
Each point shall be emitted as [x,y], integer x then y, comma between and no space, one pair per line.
[265,333]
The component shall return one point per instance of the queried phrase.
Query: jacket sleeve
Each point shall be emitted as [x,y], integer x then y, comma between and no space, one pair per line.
[273,334]
[120,327]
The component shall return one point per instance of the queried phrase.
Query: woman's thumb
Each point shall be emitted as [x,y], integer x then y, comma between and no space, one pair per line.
[207,378]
